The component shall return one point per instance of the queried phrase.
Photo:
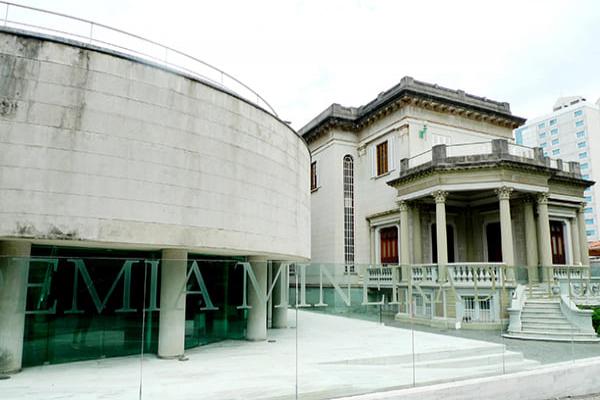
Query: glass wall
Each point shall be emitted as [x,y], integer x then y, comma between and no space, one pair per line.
[274,330]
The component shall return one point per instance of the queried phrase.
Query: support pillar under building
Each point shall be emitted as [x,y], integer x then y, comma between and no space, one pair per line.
[171,328]
[14,272]
[279,318]
[404,242]
[440,232]
[417,242]
[508,254]
[583,242]
[256,328]
[575,244]
[531,242]
[544,238]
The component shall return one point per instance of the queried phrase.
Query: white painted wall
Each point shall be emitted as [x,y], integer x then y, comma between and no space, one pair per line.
[372,194]
[102,150]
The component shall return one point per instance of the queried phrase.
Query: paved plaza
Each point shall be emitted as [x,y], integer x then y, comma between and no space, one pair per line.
[336,356]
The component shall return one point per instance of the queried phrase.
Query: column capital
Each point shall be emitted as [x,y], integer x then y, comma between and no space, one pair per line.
[440,196]
[529,199]
[416,205]
[504,192]
[542,198]
[402,205]
[581,207]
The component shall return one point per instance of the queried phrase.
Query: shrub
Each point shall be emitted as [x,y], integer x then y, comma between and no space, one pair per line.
[596,319]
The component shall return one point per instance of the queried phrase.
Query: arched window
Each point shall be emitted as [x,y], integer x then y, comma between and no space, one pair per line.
[349,213]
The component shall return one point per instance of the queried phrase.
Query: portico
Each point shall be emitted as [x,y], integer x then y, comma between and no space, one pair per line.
[469,222]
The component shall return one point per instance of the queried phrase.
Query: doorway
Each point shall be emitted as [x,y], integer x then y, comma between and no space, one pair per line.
[493,235]
[388,239]
[557,239]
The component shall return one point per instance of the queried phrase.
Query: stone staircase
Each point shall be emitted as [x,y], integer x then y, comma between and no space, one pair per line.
[542,319]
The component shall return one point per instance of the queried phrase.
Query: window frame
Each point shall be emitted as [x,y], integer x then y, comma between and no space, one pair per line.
[314,179]
[382,158]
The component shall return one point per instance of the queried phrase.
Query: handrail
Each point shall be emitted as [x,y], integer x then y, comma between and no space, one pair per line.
[469,143]
[251,94]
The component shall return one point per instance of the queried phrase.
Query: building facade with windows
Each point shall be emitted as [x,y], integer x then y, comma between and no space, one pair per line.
[571,132]
[135,202]
[443,206]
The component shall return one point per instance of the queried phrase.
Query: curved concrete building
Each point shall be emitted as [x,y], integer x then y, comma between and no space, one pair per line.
[105,152]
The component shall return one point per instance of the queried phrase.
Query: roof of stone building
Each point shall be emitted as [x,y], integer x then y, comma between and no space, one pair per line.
[425,94]
[594,248]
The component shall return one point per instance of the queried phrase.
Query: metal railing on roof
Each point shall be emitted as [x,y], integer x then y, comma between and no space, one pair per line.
[42,21]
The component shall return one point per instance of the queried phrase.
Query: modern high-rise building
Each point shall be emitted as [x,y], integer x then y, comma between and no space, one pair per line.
[572,133]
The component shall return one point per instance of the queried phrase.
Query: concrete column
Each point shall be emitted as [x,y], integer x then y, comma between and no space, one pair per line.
[256,328]
[171,328]
[531,242]
[508,253]
[404,242]
[417,240]
[440,232]
[14,272]
[575,244]
[583,243]
[544,239]
[279,314]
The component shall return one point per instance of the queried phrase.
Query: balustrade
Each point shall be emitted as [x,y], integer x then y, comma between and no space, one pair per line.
[424,273]
[476,273]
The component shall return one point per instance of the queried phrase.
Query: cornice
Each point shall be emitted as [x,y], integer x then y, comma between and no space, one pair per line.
[427,170]
[355,120]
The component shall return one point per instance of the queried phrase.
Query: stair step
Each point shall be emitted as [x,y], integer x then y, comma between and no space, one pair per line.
[548,328]
[573,333]
[542,301]
[475,361]
[552,338]
[554,322]
[542,311]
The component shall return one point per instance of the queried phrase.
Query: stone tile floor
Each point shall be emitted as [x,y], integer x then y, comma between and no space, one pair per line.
[333,356]
[326,356]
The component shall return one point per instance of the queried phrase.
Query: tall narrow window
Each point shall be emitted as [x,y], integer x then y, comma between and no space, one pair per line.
[382,158]
[349,213]
[313,175]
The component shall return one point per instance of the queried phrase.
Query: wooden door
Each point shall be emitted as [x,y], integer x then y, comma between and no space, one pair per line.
[388,238]
[557,238]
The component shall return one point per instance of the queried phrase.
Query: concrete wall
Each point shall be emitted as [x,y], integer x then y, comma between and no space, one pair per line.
[103,150]
[559,380]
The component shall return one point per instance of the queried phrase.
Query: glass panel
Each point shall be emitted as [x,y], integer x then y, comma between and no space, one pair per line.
[74,309]
[457,337]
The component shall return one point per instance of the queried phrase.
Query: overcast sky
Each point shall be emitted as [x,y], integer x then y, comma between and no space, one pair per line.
[301,56]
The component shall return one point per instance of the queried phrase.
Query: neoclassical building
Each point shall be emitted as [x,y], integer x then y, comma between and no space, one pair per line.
[137,199]
[429,179]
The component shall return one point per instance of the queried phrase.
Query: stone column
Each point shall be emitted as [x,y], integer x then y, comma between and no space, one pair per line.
[14,272]
[279,314]
[531,242]
[508,254]
[583,242]
[256,328]
[171,325]
[440,232]
[417,240]
[575,244]
[404,241]
[544,235]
